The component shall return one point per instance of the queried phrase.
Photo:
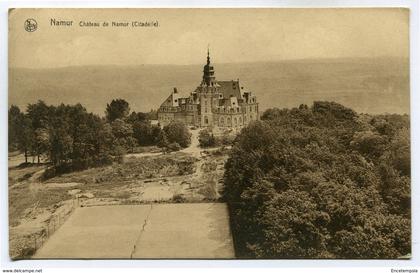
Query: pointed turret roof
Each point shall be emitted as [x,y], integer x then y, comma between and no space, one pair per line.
[208,72]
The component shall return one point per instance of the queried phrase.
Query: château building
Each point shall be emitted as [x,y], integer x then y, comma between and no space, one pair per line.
[213,103]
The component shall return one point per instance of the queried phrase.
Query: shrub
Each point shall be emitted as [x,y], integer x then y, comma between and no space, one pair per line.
[173,147]
[145,133]
[178,198]
[26,253]
[206,138]
[226,138]
[178,132]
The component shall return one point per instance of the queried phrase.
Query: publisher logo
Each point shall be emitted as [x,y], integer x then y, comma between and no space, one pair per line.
[30,25]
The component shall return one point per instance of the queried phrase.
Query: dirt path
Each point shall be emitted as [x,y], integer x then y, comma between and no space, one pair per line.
[194,148]
[140,155]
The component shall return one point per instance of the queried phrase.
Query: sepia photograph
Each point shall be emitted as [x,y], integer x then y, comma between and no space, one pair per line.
[209,133]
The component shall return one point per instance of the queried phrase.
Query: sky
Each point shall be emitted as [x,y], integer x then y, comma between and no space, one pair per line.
[183,35]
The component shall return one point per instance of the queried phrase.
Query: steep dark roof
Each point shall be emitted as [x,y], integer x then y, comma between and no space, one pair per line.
[168,101]
[228,88]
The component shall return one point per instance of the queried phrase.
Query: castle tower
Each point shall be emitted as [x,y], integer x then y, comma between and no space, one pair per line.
[208,93]
[208,72]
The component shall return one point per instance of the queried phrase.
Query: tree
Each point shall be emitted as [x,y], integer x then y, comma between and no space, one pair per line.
[320,182]
[178,132]
[60,139]
[338,111]
[206,138]
[156,131]
[117,109]
[24,136]
[68,135]
[273,113]
[15,117]
[293,227]
[400,151]
[42,142]
[138,117]
[123,133]
[40,115]
[162,140]
[104,145]
[369,143]
[145,133]
[78,140]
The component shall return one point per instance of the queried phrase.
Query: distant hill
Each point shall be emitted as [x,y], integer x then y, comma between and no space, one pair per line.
[367,85]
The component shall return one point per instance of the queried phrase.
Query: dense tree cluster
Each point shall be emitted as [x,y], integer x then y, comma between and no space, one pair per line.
[70,138]
[117,109]
[206,138]
[174,136]
[321,182]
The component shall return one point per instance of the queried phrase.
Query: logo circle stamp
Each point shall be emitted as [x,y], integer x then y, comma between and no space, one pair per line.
[30,25]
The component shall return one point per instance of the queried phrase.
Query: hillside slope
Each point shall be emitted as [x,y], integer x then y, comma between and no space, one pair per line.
[366,85]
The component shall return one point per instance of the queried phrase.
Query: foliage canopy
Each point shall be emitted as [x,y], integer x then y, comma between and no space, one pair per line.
[321,182]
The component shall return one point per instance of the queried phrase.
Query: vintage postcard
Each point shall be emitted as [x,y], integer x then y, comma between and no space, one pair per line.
[237,133]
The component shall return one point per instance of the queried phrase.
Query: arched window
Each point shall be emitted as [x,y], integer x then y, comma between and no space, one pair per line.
[240,120]
[235,121]
[229,122]
[222,121]
[206,120]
